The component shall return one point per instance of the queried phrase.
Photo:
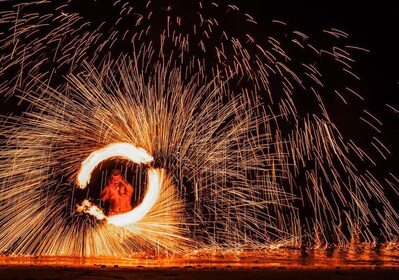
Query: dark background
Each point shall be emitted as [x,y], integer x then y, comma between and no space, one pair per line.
[373,26]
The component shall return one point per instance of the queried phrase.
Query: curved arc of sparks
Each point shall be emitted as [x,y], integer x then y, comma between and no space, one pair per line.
[123,150]
[137,155]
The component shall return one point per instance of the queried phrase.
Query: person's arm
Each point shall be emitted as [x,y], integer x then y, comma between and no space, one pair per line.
[104,195]
[129,188]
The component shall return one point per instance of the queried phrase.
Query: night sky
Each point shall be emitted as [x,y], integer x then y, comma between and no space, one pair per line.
[372,26]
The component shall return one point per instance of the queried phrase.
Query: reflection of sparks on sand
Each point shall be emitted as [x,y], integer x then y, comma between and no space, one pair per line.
[281,258]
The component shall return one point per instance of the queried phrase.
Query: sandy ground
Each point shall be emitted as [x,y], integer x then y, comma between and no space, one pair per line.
[280,264]
[194,273]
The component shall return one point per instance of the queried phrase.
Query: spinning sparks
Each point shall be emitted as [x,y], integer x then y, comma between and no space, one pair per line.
[150,198]
[236,132]
[155,178]
[123,150]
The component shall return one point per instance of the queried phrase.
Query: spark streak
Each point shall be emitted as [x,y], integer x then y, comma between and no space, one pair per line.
[155,178]
[122,150]
[235,127]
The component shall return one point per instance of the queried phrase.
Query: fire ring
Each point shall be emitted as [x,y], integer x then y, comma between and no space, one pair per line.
[137,155]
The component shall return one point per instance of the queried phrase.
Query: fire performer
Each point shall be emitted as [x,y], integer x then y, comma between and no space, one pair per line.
[118,193]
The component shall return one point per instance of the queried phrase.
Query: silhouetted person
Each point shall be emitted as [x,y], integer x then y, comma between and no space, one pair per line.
[118,193]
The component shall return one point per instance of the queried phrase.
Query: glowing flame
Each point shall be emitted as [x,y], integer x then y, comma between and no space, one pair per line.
[129,151]
[155,179]
[88,207]
[123,150]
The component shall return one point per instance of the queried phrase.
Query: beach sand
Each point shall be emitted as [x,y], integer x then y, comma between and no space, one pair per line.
[193,273]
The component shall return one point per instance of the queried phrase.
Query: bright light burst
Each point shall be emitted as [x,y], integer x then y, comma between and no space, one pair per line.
[137,155]
[236,129]
[151,197]
[135,215]
[122,150]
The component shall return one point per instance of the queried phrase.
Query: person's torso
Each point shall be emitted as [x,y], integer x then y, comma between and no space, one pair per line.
[119,200]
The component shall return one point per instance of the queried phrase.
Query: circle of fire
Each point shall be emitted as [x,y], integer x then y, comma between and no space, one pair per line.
[249,165]
[137,155]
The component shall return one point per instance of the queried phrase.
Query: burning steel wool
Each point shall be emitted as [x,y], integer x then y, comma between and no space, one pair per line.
[123,150]
[233,130]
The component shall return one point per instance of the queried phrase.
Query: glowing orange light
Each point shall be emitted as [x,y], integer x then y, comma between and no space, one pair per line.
[150,198]
[123,150]
[138,155]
